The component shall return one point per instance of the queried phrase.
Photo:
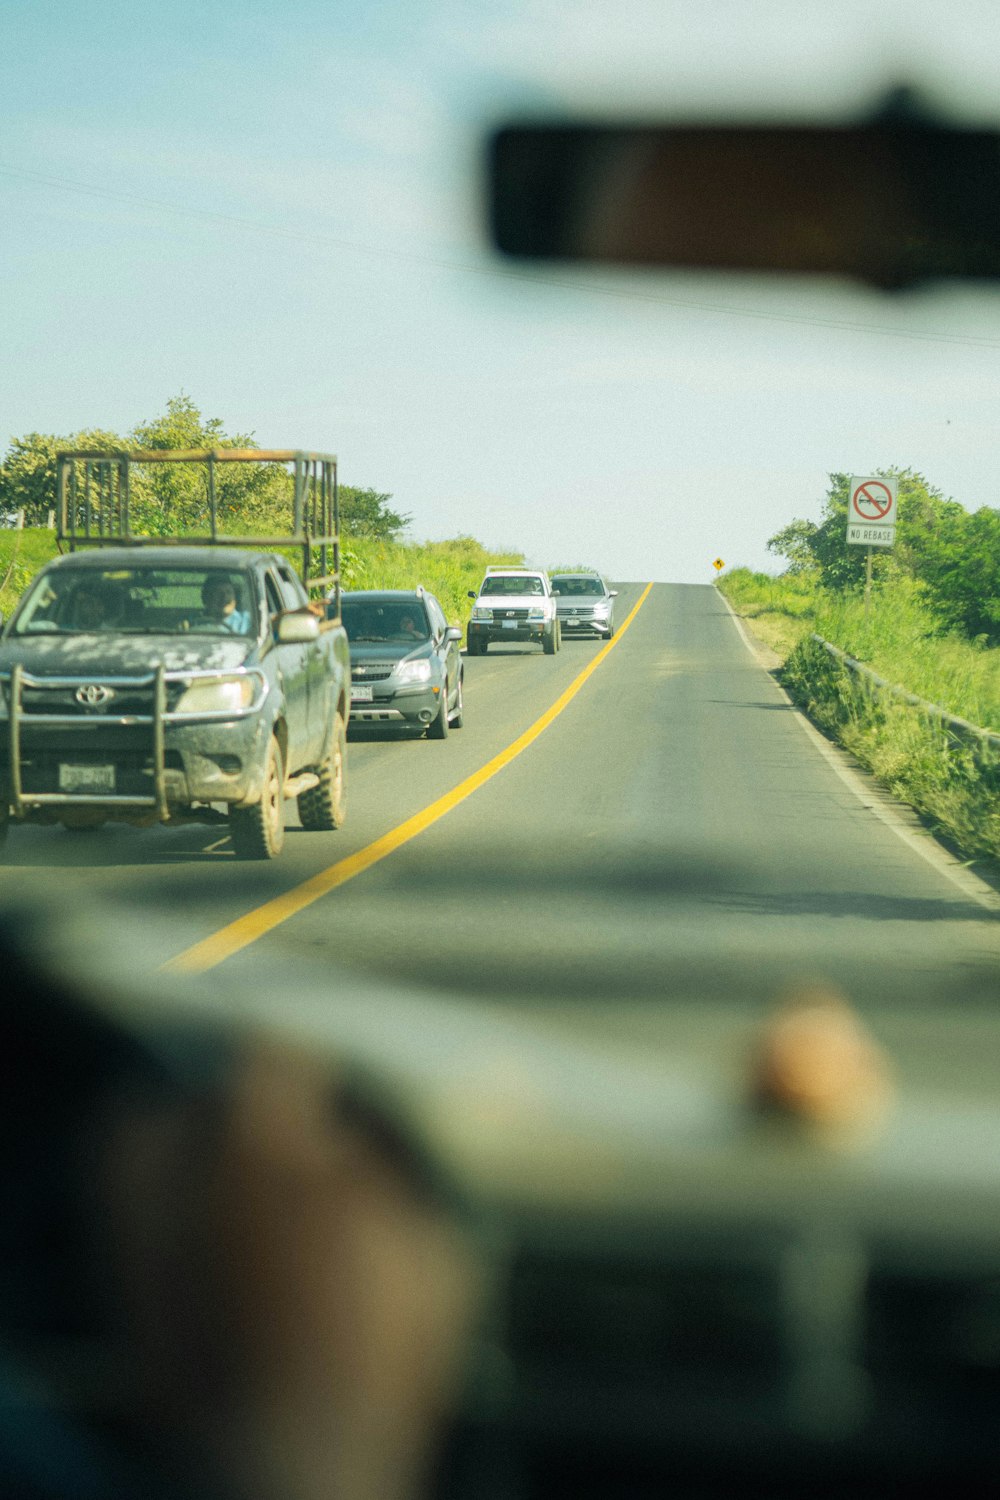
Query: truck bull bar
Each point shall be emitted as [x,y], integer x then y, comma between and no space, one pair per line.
[154,681]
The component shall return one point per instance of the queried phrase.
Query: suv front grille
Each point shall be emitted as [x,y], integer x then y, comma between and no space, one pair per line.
[373,671]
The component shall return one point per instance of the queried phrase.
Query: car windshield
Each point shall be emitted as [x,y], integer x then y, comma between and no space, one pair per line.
[577,585]
[138,601]
[389,621]
[670,926]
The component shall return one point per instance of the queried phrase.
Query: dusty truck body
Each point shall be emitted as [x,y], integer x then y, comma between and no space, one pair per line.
[164,679]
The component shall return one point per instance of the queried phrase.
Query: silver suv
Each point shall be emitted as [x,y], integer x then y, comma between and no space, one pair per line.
[584,603]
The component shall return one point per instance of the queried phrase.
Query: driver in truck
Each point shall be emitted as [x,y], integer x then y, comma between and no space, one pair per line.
[93,607]
[219,599]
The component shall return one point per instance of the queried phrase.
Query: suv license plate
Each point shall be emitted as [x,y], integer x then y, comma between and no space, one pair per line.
[360,694]
[86,778]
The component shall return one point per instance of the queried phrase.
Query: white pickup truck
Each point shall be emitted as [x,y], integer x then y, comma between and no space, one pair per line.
[514,604]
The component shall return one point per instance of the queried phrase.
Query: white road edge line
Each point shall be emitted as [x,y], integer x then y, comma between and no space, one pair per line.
[926,846]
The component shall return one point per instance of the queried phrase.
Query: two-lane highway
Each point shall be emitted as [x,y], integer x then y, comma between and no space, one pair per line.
[649,867]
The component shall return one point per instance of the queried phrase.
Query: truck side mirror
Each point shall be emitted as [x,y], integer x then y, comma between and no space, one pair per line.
[297,627]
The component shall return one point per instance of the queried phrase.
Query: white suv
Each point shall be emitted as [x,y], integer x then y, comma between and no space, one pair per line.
[514,604]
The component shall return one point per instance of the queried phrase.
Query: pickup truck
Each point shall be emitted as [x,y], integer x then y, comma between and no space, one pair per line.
[152,680]
[514,604]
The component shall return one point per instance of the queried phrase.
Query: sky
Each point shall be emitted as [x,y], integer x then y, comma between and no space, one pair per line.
[275,208]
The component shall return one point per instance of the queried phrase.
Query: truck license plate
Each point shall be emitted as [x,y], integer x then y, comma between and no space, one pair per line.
[360,694]
[86,778]
[510,624]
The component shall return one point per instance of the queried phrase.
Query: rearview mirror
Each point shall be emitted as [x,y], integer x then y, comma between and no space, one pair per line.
[894,201]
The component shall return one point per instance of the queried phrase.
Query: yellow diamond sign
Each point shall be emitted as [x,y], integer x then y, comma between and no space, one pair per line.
[718,565]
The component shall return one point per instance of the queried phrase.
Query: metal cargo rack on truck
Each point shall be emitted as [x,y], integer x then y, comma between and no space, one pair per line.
[94,504]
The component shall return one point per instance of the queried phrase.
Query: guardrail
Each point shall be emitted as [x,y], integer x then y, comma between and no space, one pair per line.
[961,728]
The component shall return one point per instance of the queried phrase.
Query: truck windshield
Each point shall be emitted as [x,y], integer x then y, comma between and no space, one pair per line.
[507,585]
[138,601]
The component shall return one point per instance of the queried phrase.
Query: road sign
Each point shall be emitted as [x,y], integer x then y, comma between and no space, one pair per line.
[718,565]
[871,512]
[871,536]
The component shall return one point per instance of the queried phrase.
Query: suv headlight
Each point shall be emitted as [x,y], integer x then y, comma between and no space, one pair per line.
[602,606]
[217,695]
[414,671]
[482,613]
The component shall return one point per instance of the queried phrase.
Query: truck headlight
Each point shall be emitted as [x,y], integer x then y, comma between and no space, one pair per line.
[481,613]
[217,695]
[536,612]
[414,671]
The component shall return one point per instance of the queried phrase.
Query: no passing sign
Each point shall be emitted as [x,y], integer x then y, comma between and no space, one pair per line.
[871,511]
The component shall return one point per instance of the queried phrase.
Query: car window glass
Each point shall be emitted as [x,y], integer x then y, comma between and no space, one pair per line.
[275,604]
[438,622]
[290,588]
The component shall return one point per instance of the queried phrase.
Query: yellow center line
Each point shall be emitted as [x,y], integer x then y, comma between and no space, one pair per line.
[256,924]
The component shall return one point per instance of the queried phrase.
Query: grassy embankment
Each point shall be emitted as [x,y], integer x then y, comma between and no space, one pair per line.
[447,569]
[952,779]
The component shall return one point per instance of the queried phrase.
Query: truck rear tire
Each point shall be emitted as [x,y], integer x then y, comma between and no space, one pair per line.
[323,808]
[258,832]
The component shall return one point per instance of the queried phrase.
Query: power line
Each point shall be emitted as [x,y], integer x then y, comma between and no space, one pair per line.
[537,278]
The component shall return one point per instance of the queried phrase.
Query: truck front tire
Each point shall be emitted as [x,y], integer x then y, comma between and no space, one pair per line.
[258,832]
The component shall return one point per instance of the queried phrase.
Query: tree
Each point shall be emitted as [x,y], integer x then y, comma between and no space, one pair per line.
[170,498]
[922,513]
[960,568]
[955,556]
[28,472]
[796,543]
[366,513]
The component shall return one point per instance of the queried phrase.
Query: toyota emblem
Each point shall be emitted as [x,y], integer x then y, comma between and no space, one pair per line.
[94,695]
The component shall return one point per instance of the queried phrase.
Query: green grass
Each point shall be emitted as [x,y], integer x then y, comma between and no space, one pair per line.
[903,641]
[952,779]
[780,610]
[22,553]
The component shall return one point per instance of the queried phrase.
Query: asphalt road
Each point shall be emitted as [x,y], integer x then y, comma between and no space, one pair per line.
[668,854]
